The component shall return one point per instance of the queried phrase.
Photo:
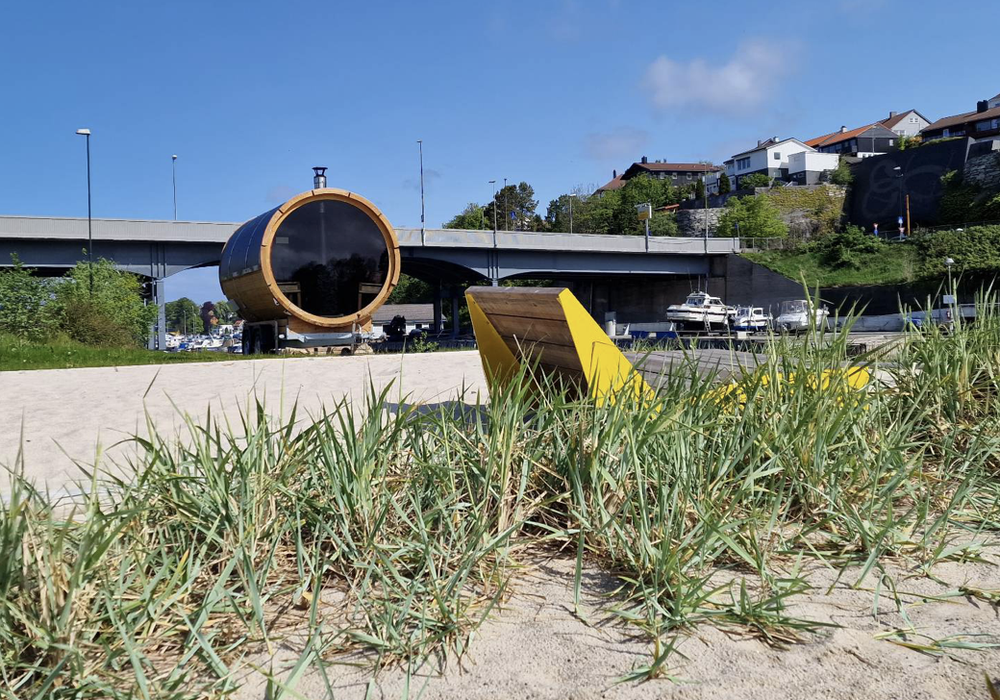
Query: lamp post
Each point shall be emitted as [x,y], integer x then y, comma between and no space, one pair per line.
[90,230]
[948,262]
[505,224]
[899,176]
[571,196]
[173,175]
[420,146]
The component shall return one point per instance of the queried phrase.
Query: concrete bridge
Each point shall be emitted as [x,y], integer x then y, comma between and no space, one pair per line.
[444,257]
[158,249]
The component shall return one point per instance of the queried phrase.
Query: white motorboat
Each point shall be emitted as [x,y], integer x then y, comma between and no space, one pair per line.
[752,319]
[700,311]
[801,314]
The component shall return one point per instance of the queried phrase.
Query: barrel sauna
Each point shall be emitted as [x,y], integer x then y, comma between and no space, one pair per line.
[311,272]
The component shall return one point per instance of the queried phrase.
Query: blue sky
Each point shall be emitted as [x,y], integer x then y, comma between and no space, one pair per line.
[250,95]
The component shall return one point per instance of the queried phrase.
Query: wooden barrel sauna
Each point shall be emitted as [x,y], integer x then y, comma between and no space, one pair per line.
[322,261]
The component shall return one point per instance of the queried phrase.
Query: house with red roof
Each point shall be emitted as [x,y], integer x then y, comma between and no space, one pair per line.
[861,142]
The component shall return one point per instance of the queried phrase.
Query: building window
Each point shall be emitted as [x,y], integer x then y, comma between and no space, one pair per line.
[892,141]
[913,120]
[777,155]
[689,176]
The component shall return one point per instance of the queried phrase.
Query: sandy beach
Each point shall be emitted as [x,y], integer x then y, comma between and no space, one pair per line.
[535,645]
[63,415]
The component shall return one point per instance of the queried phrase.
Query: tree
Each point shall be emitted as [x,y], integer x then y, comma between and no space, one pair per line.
[410,290]
[699,190]
[725,186]
[225,312]
[183,316]
[842,174]
[208,318]
[663,224]
[755,180]
[22,302]
[515,207]
[113,313]
[751,217]
[472,217]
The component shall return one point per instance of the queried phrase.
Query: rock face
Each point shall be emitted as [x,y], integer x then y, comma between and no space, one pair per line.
[984,170]
[808,211]
[691,222]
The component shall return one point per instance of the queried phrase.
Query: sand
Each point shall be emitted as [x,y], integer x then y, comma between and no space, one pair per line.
[534,647]
[65,414]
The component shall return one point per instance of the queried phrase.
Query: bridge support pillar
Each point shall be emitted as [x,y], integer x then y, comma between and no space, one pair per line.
[158,335]
[455,325]
[438,321]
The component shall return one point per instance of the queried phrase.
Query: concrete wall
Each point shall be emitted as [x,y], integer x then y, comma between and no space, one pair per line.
[877,191]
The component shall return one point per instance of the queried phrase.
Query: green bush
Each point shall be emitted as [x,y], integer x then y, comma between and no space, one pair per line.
[851,248]
[974,250]
[842,175]
[960,201]
[754,180]
[22,302]
[755,217]
[113,313]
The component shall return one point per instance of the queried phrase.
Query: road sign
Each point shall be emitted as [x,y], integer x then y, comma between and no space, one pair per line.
[645,211]
[900,221]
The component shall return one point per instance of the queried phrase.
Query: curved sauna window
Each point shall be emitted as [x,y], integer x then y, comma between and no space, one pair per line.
[329,258]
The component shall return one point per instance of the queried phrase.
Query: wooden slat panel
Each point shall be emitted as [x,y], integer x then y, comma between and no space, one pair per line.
[533,330]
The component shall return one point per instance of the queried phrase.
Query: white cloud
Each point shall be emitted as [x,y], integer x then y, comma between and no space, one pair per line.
[747,80]
[280,193]
[413,183]
[622,142]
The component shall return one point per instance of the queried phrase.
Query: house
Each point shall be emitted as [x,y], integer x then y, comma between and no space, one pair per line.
[862,142]
[678,173]
[418,316]
[616,183]
[982,125]
[771,157]
[808,167]
[908,123]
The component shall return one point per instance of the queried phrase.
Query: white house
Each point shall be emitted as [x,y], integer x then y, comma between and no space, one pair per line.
[770,157]
[807,167]
[418,316]
[908,123]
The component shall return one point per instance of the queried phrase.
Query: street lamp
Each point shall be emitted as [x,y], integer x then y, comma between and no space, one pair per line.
[173,175]
[90,230]
[948,262]
[571,196]
[505,224]
[899,176]
[420,145]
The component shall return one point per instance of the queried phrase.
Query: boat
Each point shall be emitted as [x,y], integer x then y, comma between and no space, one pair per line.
[801,314]
[751,318]
[700,311]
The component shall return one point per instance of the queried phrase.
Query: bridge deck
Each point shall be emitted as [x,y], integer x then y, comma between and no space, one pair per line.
[151,231]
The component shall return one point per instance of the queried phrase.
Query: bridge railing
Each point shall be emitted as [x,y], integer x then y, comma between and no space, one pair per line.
[578,242]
